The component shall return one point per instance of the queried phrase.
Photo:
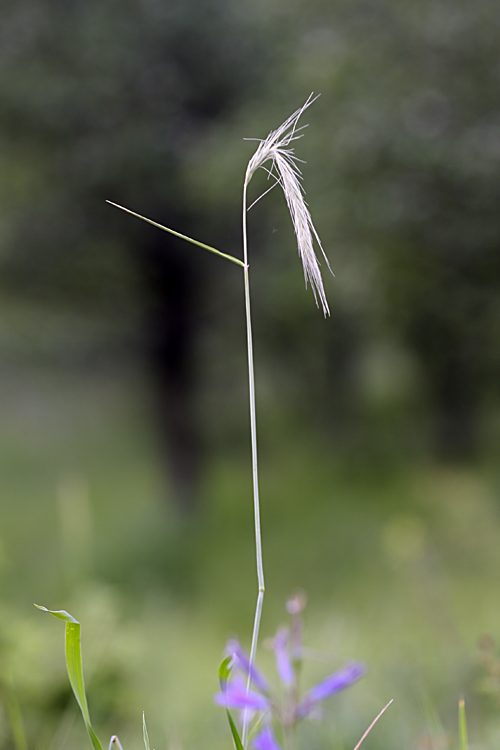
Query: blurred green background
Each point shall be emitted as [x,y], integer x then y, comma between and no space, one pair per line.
[124,450]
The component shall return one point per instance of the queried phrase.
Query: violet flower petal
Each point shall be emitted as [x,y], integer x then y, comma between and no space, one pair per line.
[265,740]
[237,696]
[333,684]
[283,664]
[242,661]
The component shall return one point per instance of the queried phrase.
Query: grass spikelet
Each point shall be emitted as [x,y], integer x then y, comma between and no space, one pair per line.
[285,170]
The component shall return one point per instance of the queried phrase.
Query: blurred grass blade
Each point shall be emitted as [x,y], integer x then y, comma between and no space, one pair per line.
[115,741]
[462,724]
[225,671]
[182,236]
[16,721]
[75,668]
[145,731]
[431,716]
[256,727]
[236,737]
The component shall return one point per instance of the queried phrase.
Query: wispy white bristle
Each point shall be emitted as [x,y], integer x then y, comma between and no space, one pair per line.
[286,172]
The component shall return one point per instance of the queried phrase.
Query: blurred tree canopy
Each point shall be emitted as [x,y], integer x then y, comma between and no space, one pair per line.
[145,103]
[417,153]
[110,100]
[409,163]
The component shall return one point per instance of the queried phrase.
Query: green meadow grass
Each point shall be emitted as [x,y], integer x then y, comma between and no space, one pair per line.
[400,560]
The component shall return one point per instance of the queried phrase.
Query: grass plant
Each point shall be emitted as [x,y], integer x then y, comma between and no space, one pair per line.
[277,151]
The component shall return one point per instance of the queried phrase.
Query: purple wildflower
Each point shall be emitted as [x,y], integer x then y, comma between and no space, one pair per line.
[333,684]
[295,606]
[236,695]
[265,740]
[241,661]
[283,664]
[260,700]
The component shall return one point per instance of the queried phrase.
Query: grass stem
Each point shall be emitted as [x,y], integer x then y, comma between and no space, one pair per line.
[365,735]
[255,472]
[274,148]
[462,724]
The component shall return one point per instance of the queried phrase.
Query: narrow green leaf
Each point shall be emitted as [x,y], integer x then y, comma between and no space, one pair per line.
[75,668]
[224,671]
[60,613]
[182,236]
[145,731]
[256,727]
[462,724]
[430,713]
[236,737]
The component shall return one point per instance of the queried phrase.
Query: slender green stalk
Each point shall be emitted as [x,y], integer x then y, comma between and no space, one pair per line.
[365,735]
[253,421]
[462,724]
[255,472]
[275,148]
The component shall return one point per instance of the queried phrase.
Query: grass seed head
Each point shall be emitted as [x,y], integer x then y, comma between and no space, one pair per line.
[285,170]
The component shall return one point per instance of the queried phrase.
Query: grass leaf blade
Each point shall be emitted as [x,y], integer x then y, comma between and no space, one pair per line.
[75,667]
[236,737]
[182,236]
[224,671]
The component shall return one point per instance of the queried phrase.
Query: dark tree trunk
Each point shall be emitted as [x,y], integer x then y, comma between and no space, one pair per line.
[455,381]
[456,396]
[171,285]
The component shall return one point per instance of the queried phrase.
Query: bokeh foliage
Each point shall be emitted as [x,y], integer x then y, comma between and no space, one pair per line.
[146,103]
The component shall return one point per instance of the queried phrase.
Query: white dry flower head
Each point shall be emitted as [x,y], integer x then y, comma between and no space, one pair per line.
[285,171]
